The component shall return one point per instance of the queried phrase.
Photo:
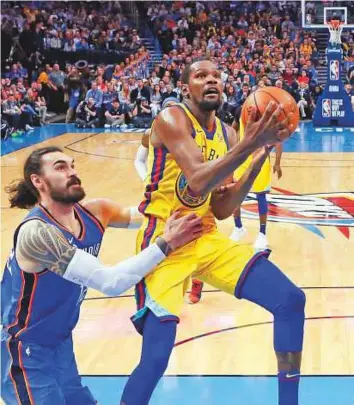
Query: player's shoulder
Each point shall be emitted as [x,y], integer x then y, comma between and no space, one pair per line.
[95,206]
[30,225]
[172,118]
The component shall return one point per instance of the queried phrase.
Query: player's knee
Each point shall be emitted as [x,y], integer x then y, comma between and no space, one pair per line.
[293,302]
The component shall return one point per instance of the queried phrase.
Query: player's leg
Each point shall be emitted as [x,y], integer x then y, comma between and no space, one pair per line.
[70,381]
[265,285]
[196,292]
[239,231]
[260,281]
[159,299]
[28,374]
[158,341]
[261,242]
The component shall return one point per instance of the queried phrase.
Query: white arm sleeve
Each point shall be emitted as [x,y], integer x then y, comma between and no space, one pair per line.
[140,161]
[85,269]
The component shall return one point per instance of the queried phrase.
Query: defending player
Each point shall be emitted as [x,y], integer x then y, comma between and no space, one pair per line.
[52,263]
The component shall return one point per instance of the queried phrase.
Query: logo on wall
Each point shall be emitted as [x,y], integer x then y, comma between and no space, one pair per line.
[334,70]
[308,210]
[326,107]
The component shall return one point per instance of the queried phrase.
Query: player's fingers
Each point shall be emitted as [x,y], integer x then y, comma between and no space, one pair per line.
[274,119]
[191,217]
[282,124]
[195,222]
[196,228]
[267,114]
[197,233]
[290,117]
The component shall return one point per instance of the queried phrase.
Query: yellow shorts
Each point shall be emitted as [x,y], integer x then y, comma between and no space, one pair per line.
[213,258]
[262,183]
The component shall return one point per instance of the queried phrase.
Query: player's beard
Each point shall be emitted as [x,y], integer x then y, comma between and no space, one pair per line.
[210,105]
[70,195]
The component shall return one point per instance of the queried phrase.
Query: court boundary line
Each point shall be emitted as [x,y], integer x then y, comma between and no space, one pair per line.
[97,154]
[33,144]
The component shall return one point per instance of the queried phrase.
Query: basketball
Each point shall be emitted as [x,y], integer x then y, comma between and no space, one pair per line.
[263,96]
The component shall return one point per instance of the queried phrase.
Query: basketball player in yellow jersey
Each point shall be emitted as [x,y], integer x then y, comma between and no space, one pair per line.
[260,187]
[192,153]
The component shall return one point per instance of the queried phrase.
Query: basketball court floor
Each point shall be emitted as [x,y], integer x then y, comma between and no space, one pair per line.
[223,353]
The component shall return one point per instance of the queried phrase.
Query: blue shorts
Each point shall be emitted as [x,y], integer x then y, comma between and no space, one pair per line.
[41,375]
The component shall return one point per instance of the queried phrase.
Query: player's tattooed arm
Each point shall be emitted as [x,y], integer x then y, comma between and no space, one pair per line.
[43,246]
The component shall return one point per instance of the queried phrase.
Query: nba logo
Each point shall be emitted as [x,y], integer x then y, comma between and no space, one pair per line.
[326,107]
[334,70]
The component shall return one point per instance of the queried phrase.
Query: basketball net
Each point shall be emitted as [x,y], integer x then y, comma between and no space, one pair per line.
[335,29]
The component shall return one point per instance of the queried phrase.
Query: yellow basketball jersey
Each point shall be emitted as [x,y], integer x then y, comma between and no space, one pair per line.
[262,182]
[166,188]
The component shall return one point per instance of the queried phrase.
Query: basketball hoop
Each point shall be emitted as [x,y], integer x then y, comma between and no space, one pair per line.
[335,29]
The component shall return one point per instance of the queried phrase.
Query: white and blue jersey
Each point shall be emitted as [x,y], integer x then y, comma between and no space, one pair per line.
[43,307]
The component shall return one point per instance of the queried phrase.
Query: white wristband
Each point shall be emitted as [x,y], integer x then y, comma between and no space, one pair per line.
[135,218]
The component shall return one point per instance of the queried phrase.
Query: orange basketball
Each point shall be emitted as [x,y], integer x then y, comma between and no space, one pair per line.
[261,98]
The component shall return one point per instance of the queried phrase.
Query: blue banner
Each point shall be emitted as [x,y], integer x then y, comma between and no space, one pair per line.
[334,107]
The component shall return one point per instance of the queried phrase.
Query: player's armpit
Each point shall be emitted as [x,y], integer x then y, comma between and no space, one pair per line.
[43,246]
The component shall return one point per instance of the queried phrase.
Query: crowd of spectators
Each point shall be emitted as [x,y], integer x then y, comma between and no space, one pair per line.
[70,26]
[255,44]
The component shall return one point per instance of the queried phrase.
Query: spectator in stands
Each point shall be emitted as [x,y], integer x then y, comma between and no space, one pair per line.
[115,114]
[11,111]
[15,114]
[306,48]
[96,94]
[109,94]
[303,78]
[303,99]
[178,90]
[317,91]
[156,100]
[142,113]
[55,83]
[348,88]
[232,101]
[169,93]
[140,92]
[86,114]
[312,72]
[124,94]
